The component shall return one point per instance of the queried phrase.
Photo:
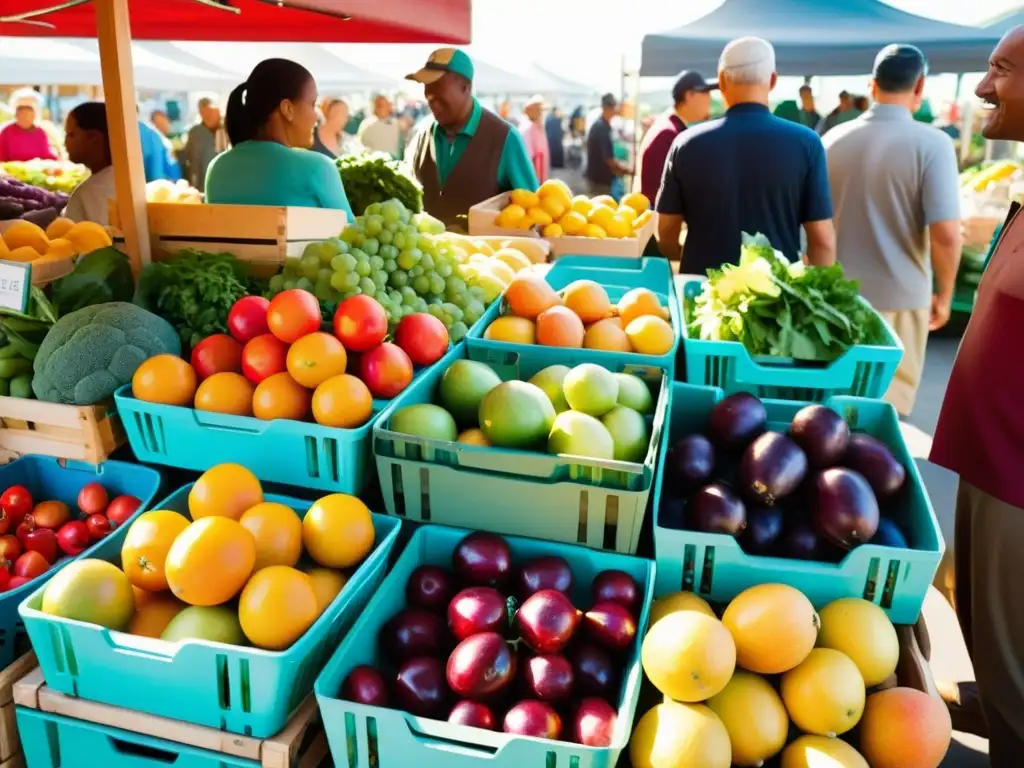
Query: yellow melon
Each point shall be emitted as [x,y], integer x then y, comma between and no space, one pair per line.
[755,718]
[651,335]
[688,656]
[821,752]
[517,330]
[775,628]
[25,234]
[824,694]
[863,632]
[674,735]
[679,601]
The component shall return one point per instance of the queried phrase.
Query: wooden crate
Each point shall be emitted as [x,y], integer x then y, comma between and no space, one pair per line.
[45,271]
[262,234]
[84,432]
[10,743]
[302,743]
[483,214]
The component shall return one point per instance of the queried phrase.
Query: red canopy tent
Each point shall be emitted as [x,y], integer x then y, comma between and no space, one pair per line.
[116,22]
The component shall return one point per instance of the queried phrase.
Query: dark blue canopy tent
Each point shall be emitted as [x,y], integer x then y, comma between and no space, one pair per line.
[816,37]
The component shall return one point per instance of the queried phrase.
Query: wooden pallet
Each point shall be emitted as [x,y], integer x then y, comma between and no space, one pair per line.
[302,743]
[83,432]
[10,743]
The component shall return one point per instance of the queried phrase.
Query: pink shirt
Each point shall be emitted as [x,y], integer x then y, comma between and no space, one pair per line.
[537,148]
[19,144]
[980,434]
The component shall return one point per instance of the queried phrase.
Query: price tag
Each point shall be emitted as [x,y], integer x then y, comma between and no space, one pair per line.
[15,284]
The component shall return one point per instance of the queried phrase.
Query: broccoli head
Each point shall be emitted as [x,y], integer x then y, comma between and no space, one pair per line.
[91,352]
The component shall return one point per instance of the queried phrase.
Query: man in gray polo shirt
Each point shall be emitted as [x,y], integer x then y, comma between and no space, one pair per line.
[897,211]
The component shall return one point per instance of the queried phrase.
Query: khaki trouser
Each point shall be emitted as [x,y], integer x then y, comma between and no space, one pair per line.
[911,326]
[986,580]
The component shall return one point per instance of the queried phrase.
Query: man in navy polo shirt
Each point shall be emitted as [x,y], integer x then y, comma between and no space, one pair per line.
[747,172]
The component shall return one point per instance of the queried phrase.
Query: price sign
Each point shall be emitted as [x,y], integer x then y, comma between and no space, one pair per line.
[15,283]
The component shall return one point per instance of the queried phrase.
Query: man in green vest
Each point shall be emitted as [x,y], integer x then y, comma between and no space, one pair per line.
[465,154]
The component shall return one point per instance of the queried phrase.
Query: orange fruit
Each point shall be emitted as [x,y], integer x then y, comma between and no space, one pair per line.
[327,585]
[315,358]
[277,606]
[281,397]
[530,294]
[343,402]
[210,561]
[651,335]
[152,617]
[229,393]
[337,531]
[165,379]
[517,330]
[588,300]
[143,596]
[277,531]
[226,490]
[639,302]
[146,545]
[292,314]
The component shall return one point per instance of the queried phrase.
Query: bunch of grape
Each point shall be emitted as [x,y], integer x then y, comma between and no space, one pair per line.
[402,259]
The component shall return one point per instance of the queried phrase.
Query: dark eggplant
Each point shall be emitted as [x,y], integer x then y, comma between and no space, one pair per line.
[845,509]
[889,534]
[594,670]
[872,458]
[801,541]
[412,633]
[717,509]
[420,687]
[691,462]
[735,421]
[764,526]
[483,560]
[365,685]
[672,511]
[822,434]
[773,466]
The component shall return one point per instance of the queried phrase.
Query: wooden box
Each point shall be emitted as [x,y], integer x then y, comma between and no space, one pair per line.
[302,743]
[483,214]
[264,235]
[85,432]
[10,742]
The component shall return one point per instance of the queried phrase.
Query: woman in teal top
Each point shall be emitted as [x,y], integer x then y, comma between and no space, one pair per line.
[270,121]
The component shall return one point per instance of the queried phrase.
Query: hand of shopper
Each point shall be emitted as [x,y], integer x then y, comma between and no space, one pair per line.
[941,308]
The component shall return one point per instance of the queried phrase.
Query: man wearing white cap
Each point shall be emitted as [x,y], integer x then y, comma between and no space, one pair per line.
[747,172]
[535,138]
[22,139]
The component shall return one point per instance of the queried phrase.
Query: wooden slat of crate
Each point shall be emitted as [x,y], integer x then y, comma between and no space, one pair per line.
[45,271]
[86,433]
[288,749]
[10,742]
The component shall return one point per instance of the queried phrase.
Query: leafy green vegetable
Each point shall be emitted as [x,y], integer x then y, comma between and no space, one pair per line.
[376,177]
[27,330]
[194,291]
[99,277]
[782,309]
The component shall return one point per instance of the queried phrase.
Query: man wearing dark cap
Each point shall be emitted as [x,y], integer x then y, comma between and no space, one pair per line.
[602,167]
[691,95]
[897,211]
[465,154]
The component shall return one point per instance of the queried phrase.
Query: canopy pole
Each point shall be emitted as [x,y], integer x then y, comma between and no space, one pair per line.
[113,32]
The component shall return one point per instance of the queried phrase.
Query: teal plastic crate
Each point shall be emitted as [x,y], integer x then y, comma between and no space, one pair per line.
[715,567]
[863,371]
[55,741]
[232,688]
[362,736]
[617,277]
[582,501]
[50,479]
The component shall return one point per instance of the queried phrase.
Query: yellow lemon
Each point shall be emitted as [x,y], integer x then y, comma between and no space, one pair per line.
[650,335]
[606,200]
[573,223]
[602,216]
[637,201]
[592,230]
[627,213]
[553,230]
[553,206]
[642,219]
[539,216]
[617,226]
[581,204]
[557,189]
[525,198]
[510,215]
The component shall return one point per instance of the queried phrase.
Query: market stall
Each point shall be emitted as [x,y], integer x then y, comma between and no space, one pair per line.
[386,485]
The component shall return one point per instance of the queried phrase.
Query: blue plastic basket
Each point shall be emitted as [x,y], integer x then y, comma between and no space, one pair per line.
[569,499]
[55,741]
[50,479]
[863,371]
[715,567]
[232,688]
[363,736]
[617,277]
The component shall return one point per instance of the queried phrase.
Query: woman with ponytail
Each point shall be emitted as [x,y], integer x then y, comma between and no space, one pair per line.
[270,122]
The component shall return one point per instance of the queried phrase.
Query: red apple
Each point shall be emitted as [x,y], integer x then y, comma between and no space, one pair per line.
[5,576]
[423,337]
[121,509]
[98,525]
[30,565]
[17,502]
[73,537]
[93,499]
[386,370]
[25,527]
[43,541]
[10,547]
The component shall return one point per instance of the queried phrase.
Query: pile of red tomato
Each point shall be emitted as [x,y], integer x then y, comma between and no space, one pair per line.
[278,361]
[34,535]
